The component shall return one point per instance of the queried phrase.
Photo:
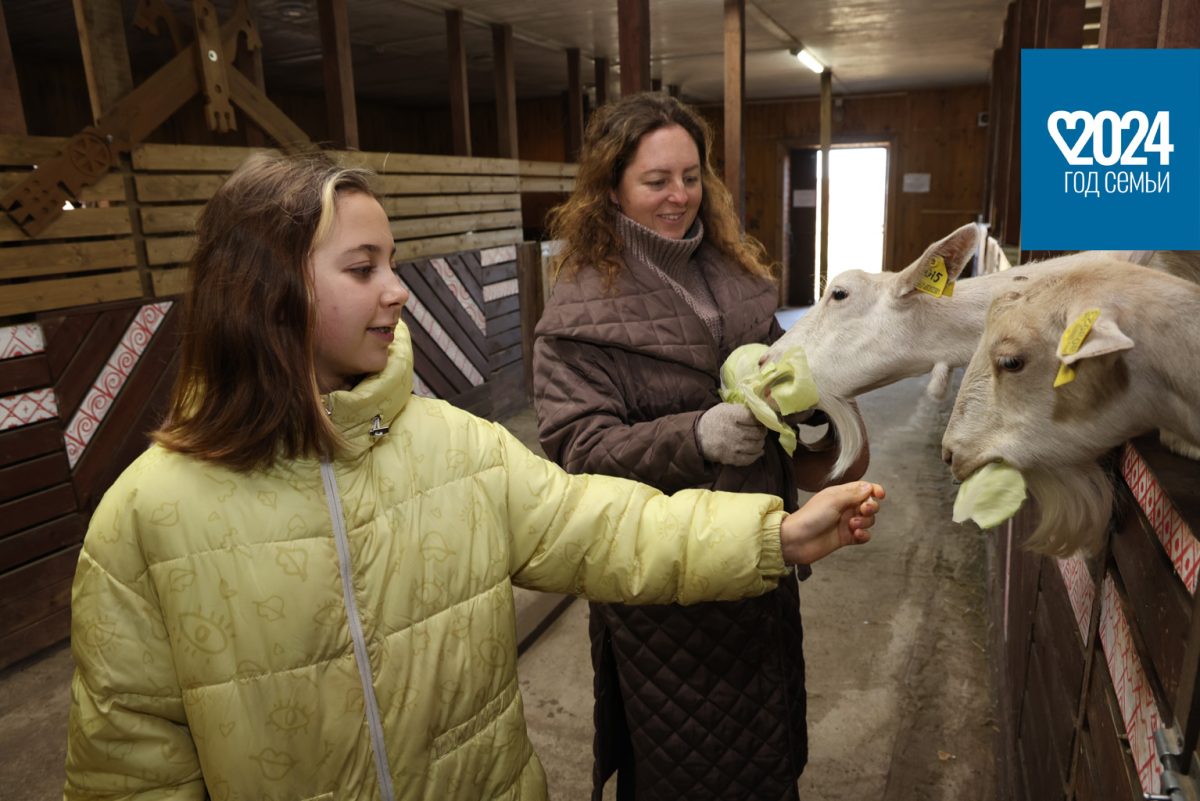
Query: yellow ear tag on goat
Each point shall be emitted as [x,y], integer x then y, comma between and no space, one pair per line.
[1072,341]
[934,280]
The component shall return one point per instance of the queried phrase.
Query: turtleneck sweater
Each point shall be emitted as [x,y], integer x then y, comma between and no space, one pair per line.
[672,260]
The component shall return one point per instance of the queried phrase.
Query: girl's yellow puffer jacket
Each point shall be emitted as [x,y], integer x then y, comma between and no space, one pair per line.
[234,640]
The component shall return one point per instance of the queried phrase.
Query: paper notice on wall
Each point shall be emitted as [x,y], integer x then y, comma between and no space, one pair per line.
[916,182]
[804,198]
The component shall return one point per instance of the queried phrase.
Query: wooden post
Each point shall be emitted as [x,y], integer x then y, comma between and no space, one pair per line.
[735,95]
[506,90]
[673,90]
[529,288]
[1002,119]
[1063,24]
[12,112]
[339,73]
[1026,29]
[1179,25]
[574,105]
[633,24]
[989,164]
[101,27]
[1130,23]
[460,95]
[250,63]
[601,81]
[826,143]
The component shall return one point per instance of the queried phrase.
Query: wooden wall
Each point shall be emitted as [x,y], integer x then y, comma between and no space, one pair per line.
[931,131]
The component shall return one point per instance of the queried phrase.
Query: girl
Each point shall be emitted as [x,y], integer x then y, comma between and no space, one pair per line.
[303,589]
[658,286]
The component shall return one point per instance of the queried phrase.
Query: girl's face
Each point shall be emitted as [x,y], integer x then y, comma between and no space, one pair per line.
[358,296]
[660,187]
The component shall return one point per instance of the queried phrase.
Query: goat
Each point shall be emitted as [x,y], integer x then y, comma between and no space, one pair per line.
[1137,369]
[870,330]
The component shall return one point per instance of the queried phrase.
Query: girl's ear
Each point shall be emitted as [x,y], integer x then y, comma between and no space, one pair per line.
[612,195]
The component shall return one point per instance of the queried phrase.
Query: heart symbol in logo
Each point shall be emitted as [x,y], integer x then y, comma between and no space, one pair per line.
[1071,120]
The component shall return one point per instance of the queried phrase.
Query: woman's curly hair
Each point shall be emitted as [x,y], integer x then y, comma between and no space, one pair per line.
[586,222]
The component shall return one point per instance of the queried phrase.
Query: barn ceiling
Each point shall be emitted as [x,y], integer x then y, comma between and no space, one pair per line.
[399,45]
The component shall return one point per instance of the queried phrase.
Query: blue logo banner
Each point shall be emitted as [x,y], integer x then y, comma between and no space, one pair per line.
[1110,149]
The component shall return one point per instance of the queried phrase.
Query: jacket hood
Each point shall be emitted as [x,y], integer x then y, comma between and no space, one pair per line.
[383,394]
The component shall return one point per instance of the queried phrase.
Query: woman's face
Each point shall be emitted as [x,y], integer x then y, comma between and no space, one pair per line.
[660,187]
[358,296]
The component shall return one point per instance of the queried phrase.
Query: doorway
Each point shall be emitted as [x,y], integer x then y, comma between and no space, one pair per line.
[858,176]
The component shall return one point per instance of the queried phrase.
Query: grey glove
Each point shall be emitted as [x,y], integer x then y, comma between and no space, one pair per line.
[728,433]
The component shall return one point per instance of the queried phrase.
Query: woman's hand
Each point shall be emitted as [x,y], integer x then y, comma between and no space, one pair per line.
[729,433]
[833,518]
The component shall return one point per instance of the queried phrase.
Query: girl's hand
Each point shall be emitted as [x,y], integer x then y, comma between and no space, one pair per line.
[835,517]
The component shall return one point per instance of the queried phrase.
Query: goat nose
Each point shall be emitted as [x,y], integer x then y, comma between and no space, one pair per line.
[947,455]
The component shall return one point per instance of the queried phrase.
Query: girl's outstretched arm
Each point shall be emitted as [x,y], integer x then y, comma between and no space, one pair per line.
[835,517]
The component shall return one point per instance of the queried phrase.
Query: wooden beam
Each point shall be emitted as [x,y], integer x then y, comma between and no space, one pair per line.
[1062,24]
[735,102]
[506,90]
[633,24]
[601,81]
[339,73]
[12,111]
[1130,23]
[574,105]
[1179,25]
[826,143]
[101,28]
[1003,122]
[250,63]
[460,95]
[1026,32]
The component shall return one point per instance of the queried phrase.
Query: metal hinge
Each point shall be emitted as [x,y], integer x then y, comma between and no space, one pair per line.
[1175,785]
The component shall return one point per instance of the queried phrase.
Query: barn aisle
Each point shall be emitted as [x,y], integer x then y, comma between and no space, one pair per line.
[900,704]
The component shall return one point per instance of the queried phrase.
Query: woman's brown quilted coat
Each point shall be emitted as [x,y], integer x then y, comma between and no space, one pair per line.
[710,697]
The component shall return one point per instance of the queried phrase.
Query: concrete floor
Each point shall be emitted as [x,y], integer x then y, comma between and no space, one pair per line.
[899,701]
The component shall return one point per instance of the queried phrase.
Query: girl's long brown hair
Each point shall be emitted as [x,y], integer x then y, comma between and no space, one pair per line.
[586,222]
[246,394]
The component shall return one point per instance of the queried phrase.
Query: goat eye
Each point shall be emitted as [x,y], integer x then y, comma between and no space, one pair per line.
[837,293]
[1012,364]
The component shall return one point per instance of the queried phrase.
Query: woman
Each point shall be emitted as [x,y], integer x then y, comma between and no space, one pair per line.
[657,285]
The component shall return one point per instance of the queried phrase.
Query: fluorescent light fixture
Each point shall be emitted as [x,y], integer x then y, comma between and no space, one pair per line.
[806,58]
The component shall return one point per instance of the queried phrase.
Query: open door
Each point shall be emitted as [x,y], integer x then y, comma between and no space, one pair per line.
[802,227]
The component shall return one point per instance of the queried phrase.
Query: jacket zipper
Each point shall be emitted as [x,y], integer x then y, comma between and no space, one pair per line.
[374,722]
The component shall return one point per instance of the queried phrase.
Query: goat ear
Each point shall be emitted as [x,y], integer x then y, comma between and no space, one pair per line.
[954,251]
[1104,337]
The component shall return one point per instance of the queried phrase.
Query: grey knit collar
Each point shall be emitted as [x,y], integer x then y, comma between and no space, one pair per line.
[670,256]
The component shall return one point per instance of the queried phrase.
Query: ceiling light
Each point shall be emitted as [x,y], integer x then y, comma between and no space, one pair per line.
[806,58]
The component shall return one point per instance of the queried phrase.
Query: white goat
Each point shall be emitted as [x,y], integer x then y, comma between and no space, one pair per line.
[870,330]
[1138,369]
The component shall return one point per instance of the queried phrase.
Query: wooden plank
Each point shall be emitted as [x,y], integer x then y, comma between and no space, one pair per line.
[563,185]
[23,151]
[415,163]
[425,227]
[442,245]
[499,306]
[169,282]
[1180,24]
[504,322]
[169,249]
[426,205]
[170,219]
[1043,769]
[35,637]
[96,468]
[466,267]
[1116,777]
[19,611]
[78,375]
[504,339]
[547,169]
[735,104]
[110,187]
[445,184]
[505,357]
[338,70]
[27,442]
[424,362]
[35,509]
[161,188]
[64,333]
[111,221]
[508,395]
[431,291]
[34,260]
[12,110]
[460,93]
[62,293]
[1130,23]
[501,271]
[1159,604]
[101,27]
[26,372]
[36,474]
[197,158]
[504,73]
[33,543]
